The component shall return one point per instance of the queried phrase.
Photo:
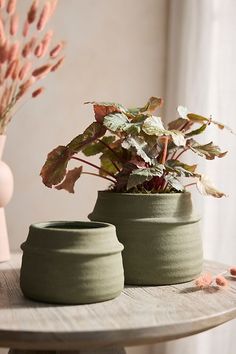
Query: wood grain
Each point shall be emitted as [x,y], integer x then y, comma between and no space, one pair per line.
[140,315]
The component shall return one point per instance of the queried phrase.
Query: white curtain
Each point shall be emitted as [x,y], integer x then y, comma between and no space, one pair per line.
[201,74]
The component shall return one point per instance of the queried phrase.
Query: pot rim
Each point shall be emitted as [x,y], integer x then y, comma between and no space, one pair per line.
[94,226]
[160,195]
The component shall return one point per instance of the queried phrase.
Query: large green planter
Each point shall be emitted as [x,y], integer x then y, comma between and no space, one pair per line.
[160,234]
[72,263]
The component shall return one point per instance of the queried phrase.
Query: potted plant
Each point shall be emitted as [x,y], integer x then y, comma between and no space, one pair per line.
[147,201]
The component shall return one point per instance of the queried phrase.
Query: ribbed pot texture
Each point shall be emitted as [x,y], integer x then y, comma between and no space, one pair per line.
[160,234]
[72,263]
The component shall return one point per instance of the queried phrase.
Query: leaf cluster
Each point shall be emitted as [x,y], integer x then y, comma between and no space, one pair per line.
[137,153]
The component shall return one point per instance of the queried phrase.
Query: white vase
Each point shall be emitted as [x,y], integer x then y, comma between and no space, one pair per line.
[6,191]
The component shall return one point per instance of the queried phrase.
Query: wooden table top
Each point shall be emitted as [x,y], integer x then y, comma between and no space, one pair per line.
[140,315]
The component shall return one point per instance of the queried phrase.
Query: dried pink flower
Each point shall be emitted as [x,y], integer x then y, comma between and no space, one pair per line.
[26,28]
[13,51]
[14,23]
[15,72]
[38,92]
[14,66]
[38,50]
[41,71]
[32,11]
[4,52]
[233,271]
[204,281]
[56,50]
[10,68]
[44,16]
[28,47]
[25,70]
[221,281]
[11,6]
[2,32]
[5,96]
[25,87]
[46,42]
[53,6]
[58,64]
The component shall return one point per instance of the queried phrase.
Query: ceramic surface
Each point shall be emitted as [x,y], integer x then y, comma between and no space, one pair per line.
[72,263]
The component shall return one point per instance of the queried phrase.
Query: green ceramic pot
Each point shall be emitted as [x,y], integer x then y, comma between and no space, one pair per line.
[160,234]
[72,263]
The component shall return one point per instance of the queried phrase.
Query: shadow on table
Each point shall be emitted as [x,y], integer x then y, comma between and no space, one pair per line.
[12,297]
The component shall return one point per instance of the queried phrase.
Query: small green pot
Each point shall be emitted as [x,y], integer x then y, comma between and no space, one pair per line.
[160,234]
[71,263]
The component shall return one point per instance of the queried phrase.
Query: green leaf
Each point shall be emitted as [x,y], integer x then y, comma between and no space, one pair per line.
[177,124]
[206,187]
[182,169]
[177,137]
[107,164]
[92,133]
[174,183]
[196,118]
[116,122]
[221,126]
[196,131]
[123,176]
[132,128]
[139,145]
[209,151]
[149,108]
[152,104]
[200,119]
[54,169]
[141,175]
[98,147]
[71,177]
[102,109]
[154,126]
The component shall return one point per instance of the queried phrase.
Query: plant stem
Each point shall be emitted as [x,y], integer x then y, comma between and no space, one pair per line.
[109,148]
[190,184]
[164,154]
[185,149]
[92,165]
[97,175]
[114,153]
[184,126]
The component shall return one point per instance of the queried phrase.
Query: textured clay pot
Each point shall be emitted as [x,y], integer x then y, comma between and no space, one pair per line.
[160,234]
[6,191]
[72,263]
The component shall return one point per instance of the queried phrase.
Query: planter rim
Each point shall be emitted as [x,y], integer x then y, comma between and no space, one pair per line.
[159,195]
[94,226]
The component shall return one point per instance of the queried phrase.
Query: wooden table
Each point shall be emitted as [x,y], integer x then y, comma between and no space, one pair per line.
[140,315]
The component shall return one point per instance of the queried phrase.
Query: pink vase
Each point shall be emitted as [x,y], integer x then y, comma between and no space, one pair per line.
[6,190]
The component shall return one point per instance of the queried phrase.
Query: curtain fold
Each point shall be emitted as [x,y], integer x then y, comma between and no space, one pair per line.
[201,75]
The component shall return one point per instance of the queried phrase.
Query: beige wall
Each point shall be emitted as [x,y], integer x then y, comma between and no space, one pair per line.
[115,51]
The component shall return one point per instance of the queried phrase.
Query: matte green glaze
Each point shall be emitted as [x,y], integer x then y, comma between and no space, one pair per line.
[160,234]
[72,263]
